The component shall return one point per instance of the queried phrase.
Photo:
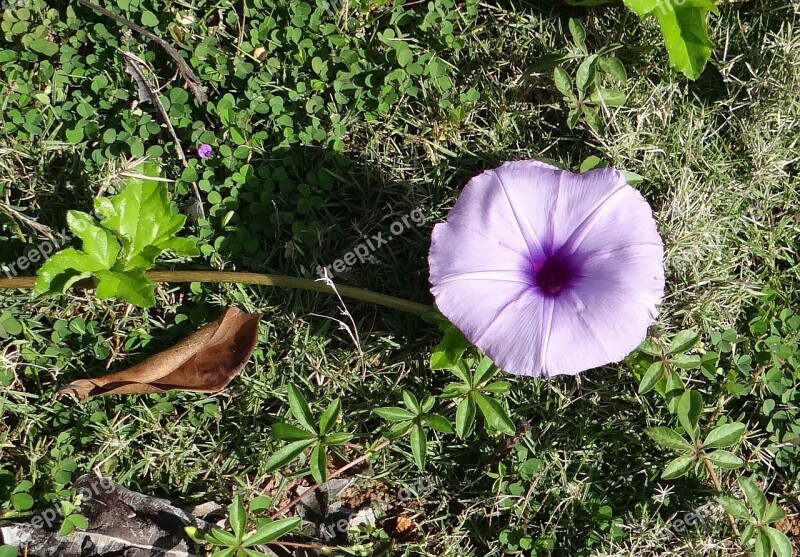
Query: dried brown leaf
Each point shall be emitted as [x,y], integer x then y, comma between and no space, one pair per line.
[204,362]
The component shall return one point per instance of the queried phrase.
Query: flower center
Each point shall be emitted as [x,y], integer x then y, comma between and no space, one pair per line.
[553,274]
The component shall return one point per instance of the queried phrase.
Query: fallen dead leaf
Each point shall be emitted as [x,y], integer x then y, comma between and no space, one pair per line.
[204,362]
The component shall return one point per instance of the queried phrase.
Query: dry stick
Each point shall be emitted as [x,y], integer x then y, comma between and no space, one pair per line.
[134,64]
[280,281]
[335,474]
[718,487]
[186,72]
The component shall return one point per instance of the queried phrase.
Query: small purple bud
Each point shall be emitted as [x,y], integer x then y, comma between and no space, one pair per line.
[205,151]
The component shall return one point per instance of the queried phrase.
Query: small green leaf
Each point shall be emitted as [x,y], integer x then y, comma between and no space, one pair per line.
[43,46]
[393,413]
[319,463]
[779,542]
[64,269]
[411,402]
[578,33]
[287,454]
[300,410]
[734,507]
[755,497]
[330,416]
[484,371]
[614,68]
[724,436]
[668,438]
[237,517]
[337,438]
[131,286]
[774,513]
[288,432]
[562,81]
[682,342]
[690,406]
[449,351]
[608,97]
[183,247]
[652,376]
[419,445]
[763,546]
[271,531]
[8,551]
[494,414]
[439,423]
[98,243]
[678,467]
[725,459]
[584,77]
[465,417]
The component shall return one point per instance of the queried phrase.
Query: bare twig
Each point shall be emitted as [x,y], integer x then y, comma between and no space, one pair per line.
[288,506]
[186,72]
[133,65]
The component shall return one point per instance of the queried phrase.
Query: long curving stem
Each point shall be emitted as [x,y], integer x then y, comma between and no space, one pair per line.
[280,281]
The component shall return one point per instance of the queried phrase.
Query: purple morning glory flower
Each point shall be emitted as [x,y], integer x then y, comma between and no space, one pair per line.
[204,151]
[546,271]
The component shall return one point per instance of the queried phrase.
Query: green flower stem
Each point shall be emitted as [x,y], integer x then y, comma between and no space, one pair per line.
[280,281]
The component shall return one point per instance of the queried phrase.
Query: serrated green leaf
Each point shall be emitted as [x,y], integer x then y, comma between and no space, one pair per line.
[131,286]
[668,438]
[64,269]
[449,351]
[724,436]
[142,216]
[98,243]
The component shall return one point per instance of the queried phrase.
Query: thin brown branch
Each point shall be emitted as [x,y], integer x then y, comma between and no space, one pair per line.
[186,72]
[288,506]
